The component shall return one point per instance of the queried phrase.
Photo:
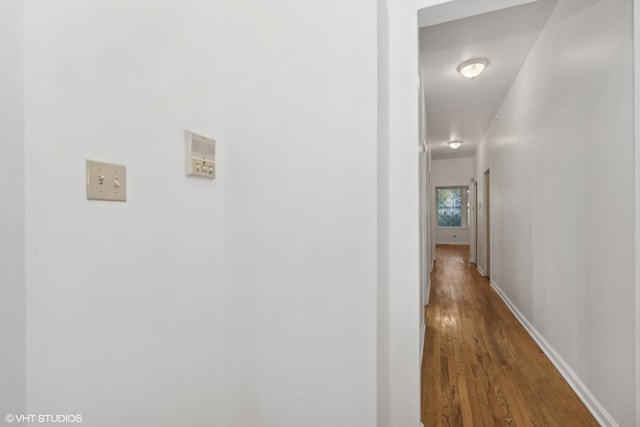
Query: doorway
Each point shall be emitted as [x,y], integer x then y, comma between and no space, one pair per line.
[475,221]
[487,215]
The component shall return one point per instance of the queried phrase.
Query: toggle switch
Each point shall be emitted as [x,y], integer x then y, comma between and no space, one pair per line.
[99,174]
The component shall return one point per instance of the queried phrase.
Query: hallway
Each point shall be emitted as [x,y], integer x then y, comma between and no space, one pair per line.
[480,366]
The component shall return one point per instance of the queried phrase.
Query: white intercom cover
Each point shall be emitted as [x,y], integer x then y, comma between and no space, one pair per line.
[200,155]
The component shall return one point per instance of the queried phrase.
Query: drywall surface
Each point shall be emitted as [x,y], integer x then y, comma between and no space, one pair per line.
[249,300]
[383,373]
[12,264]
[453,173]
[126,301]
[398,218]
[404,226]
[300,212]
[561,162]
[452,236]
[636,45]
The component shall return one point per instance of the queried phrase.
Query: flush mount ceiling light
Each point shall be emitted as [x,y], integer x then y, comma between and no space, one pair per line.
[455,144]
[473,67]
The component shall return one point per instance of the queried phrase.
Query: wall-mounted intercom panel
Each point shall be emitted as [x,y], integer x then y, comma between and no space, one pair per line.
[200,155]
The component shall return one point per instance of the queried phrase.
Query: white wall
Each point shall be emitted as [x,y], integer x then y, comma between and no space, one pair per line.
[447,173]
[12,280]
[383,373]
[452,236]
[450,172]
[126,301]
[561,161]
[425,204]
[300,212]
[128,307]
[158,310]
[398,219]
[405,304]
[636,45]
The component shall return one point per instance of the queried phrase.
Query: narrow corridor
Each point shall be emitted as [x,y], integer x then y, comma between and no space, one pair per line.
[480,367]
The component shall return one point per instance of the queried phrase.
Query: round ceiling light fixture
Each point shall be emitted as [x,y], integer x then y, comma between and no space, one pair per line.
[473,67]
[455,144]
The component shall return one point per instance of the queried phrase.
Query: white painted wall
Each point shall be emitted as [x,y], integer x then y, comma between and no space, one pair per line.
[405,304]
[425,203]
[448,173]
[451,172]
[383,372]
[126,301]
[452,236]
[158,311]
[12,278]
[460,9]
[398,219]
[300,212]
[561,160]
[128,308]
[636,45]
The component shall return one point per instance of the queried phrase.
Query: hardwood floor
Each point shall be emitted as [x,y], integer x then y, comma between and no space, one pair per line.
[481,368]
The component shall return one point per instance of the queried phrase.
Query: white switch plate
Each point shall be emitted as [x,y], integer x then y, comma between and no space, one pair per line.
[106,181]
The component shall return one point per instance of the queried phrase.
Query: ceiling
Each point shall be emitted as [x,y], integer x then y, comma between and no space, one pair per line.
[459,108]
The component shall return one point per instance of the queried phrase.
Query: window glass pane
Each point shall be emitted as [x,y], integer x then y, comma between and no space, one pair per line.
[449,206]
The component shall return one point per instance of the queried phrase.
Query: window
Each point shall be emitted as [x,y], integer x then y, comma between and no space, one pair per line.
[452,205]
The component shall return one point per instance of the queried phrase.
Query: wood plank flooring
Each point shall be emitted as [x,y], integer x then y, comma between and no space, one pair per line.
[481,368]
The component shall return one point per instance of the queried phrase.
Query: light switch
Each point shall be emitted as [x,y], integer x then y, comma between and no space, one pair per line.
[106,181]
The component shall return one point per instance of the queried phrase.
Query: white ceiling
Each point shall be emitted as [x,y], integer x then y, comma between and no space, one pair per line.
[458,9]
[459,108]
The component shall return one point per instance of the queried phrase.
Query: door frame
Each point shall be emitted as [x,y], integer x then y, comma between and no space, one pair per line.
[475,220]
[636,77]
[487,218]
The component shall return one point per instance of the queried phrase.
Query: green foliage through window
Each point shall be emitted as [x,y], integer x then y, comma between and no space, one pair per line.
[449,206]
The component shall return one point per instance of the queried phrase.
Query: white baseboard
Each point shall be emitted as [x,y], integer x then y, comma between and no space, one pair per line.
[428,292]
[597,410]
[472,260]
[481,271]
